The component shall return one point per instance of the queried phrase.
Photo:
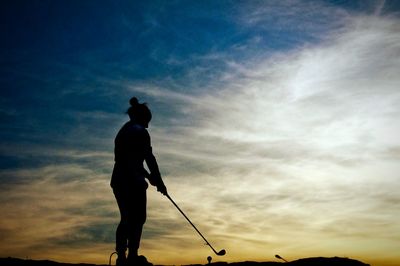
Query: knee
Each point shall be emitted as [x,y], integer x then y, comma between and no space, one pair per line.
[137,220]
[124,221]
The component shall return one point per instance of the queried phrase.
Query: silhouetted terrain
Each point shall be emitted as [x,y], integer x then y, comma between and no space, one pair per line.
[21,262]
[320,261]
[336,261]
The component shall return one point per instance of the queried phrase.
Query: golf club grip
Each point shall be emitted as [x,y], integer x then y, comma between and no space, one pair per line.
[173,202]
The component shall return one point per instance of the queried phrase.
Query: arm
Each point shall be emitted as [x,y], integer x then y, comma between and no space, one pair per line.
[154,176]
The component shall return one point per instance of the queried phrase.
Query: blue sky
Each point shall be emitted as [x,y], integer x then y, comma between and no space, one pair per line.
[272,121]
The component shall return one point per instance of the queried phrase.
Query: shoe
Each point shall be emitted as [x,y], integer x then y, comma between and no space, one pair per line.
[121,260]
[138,261]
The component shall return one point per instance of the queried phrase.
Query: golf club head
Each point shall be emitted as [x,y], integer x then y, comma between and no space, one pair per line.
[279,257]
[221,252]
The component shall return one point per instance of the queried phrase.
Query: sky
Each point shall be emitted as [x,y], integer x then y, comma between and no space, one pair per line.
[275,126]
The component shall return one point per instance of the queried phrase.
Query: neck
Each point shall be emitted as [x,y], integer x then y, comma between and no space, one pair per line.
[135,121]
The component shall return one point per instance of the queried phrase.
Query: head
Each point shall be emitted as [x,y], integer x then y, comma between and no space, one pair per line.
[139,112]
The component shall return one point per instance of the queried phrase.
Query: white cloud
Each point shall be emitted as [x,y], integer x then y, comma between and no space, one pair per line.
[291,148]
[294,153]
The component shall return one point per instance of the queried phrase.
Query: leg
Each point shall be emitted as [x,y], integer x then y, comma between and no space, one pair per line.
[122,229]
[136,220]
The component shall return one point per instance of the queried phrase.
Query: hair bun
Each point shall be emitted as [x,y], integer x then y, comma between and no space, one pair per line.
[134,101]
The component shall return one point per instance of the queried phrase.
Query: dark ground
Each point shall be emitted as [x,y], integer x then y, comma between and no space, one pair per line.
[320,261]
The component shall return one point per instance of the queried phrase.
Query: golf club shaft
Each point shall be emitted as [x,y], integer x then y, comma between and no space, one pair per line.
[173,202]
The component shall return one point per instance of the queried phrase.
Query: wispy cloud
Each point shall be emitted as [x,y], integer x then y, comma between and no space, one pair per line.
[297,137]
[292,151]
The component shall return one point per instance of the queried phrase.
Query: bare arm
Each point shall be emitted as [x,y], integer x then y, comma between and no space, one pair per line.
[155,176]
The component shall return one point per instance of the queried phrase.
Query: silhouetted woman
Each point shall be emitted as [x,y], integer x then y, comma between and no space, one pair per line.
[132,148]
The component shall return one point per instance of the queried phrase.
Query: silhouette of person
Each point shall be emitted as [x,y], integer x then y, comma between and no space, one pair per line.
[132,148]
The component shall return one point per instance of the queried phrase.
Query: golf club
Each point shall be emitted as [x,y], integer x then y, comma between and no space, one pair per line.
[220,253]
[279,257]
